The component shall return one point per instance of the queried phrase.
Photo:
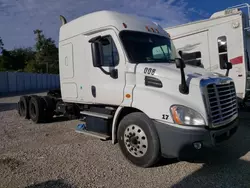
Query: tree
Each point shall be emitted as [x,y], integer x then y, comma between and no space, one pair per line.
[16,59]
[1,59]
[43,59]
[46,53]
[20,57]
[31,66]
[1,44]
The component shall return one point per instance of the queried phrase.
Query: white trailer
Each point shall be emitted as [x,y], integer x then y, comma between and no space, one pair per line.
[122,73]
[210,43]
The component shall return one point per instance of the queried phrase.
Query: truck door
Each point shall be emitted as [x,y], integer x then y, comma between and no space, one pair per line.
[194,49]
[226,45]
[102,87]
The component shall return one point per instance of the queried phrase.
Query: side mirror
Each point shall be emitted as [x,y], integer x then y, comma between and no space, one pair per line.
[180,63]
[228,65]
[97,57]
[114,73]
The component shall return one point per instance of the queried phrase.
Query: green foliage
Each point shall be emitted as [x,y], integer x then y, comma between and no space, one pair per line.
[1,44]
[43,59]
[31,66]
[46,53]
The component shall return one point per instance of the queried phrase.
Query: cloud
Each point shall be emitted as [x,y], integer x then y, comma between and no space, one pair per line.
[18,18]
[201,13]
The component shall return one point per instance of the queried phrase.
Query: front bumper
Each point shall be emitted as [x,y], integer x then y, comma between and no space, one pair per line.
[177,141]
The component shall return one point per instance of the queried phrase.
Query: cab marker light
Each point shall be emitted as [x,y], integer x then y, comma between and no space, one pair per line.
[124,25]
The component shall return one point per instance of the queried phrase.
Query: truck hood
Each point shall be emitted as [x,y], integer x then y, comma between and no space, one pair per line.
[169,71]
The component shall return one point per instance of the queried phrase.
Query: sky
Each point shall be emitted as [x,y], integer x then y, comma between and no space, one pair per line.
[18,18]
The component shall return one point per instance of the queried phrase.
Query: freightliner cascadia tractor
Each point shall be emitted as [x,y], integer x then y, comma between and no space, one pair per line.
[123,76]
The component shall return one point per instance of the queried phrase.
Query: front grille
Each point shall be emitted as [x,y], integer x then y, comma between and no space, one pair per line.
[222,103]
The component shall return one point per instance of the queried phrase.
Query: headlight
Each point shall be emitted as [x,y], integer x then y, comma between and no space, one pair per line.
[186,116]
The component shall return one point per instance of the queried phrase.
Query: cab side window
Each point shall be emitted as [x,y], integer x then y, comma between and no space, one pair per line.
[110,52]
[222,50]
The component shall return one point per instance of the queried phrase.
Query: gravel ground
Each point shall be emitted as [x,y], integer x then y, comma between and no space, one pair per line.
[54,155]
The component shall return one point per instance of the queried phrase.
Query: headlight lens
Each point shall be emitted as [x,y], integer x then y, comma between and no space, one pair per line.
[186,116]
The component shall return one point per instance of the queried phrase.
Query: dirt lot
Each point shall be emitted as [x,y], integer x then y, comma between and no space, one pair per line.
[54,155]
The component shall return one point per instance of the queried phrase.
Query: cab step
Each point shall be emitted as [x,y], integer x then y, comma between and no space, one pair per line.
[97,114]
[98,122]
[104,113]
[101,136]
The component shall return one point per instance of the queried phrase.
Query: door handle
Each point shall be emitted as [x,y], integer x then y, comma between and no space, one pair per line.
[93,91]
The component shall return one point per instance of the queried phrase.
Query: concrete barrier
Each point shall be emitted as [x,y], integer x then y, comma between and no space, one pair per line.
[19,82]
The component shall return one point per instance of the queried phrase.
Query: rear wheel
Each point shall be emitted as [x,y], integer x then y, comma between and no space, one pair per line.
[36,109]
[138,139]
[18,108]
[23,107]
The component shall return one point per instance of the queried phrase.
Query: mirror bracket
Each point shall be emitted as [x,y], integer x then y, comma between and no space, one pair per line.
[113,73]
[228,67]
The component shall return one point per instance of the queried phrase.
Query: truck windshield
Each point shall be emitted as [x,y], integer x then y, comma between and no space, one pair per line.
[147,48]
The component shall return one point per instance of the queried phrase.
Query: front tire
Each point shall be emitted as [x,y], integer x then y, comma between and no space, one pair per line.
[138,140]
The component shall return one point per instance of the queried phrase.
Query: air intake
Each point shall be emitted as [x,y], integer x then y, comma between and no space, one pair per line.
[153,82]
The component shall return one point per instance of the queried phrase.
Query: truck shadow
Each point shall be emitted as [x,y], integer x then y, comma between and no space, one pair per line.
[52,183]
[7,106]
[233,174]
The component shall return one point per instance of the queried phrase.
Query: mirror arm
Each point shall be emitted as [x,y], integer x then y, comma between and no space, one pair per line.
[95,39]
[229,66]
[183,88]
[104,71]
[109,73]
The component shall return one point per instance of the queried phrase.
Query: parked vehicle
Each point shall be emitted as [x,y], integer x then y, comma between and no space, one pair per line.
[222,38]
[122,74]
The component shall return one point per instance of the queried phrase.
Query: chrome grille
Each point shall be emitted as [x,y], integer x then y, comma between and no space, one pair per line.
[222,103]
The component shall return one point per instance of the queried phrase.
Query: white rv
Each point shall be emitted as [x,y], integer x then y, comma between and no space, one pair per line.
[122,74]
[210,43]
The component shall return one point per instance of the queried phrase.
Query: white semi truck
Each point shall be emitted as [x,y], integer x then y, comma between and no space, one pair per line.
[210,43]
[122,74]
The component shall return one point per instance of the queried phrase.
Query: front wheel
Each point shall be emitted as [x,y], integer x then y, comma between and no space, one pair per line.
[138,140]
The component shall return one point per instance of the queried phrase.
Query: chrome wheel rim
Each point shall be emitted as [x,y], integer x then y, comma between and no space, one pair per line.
[135,141]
